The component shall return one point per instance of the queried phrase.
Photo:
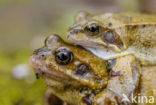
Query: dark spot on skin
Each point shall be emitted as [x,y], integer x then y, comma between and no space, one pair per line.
[143,25]
[114,74]
[67,86]
[38,73]
[82,69]
[87,100]
[121,82]
[109,24]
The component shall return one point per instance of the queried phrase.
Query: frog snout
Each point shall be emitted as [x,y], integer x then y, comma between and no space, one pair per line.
[35,65]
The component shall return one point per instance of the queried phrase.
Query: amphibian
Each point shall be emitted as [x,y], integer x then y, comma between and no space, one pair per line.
[112,35]
[78,77]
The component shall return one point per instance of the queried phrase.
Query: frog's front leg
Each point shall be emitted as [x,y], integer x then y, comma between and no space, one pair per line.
[51,99]
[123,82]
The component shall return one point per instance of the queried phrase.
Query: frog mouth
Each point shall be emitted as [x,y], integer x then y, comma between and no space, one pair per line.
[67,79]
[61,82]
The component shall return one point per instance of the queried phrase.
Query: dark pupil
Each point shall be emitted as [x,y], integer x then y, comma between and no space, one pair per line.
[63,56]
[93,29]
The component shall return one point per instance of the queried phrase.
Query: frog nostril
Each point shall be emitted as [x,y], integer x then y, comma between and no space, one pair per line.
[43,56]
[82,69]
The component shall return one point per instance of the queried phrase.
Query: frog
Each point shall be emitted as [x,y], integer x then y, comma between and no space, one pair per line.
[75,76]
[113,35]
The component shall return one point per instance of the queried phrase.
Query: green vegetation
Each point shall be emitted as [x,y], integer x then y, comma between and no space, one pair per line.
[18,91]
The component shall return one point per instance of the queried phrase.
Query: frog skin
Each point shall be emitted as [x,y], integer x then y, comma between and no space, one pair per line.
[148,83]
[78,77]
[112,35]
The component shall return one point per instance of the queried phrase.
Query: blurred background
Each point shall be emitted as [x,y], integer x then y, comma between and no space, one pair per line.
[24,25]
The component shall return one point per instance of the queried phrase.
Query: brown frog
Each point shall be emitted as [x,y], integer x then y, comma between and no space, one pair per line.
[78,77]
[112,35]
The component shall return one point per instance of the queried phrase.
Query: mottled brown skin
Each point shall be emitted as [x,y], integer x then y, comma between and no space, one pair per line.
[120,34]
[64,80]
[102,84]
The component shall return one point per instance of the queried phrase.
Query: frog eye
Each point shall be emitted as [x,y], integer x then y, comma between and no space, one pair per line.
[63,56]
[93,30]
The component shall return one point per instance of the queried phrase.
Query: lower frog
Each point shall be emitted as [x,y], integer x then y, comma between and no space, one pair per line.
[78,77]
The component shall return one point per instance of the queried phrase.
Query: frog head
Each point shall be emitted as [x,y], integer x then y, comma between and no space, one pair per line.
[71,72]
[101,33]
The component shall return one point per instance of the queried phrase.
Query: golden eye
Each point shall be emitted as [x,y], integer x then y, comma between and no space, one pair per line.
[93,30]
[63,56]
